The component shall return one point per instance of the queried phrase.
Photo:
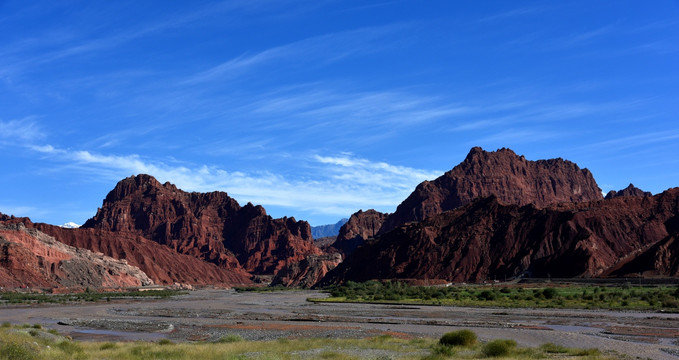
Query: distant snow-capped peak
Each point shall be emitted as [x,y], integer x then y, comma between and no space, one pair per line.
[70,225]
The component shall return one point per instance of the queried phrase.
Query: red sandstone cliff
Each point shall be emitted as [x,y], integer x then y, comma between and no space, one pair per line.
[488,239]
[361,226]
[31,258]
[159,262]
[210,226]
[510,177]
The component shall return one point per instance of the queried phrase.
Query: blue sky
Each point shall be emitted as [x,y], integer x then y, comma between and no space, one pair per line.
[316,109]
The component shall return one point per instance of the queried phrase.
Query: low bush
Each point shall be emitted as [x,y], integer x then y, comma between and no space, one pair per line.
[458,338]
[498,348]
[440,349]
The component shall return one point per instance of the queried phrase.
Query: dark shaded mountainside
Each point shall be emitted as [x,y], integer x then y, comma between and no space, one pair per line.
[510,177]
[488,240]
[497,215]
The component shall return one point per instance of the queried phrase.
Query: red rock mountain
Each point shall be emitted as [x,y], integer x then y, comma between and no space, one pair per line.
[361,226]
[490,239]
[630,190]
[210,226]
[31,258]
[161,263]
[510,177]
[306,273]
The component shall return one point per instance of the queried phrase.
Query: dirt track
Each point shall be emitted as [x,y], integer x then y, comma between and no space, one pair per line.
[209,314]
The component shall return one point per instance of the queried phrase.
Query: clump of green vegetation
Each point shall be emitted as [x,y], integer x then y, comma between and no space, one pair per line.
[459,338]
[553,348]
[230,338]
[582,297]
[498,348]
[165,342]
[26,298]
[14,351]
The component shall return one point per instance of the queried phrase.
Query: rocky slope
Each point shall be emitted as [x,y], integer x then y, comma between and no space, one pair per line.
[510,177]
[361,226]
[630,190]
[308,272]
[161,263]
[31,258]
[489,239]
[210,226]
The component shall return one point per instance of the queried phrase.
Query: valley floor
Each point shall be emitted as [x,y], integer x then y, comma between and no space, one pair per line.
[209,315]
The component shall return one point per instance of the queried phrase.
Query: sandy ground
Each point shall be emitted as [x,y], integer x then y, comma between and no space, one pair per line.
[205,315]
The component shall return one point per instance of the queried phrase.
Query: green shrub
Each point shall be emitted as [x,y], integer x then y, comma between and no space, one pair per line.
[458,338]
[440,349]
[165,342]
[487,295]
[498,348]
[549,293]
[6,324]
[230,338]
[14,351]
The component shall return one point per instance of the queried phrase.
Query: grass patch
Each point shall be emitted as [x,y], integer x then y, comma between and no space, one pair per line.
[22,346]
[625,297]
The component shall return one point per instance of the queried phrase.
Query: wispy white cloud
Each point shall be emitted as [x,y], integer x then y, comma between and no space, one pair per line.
[633,141]
[317,50]
[21,130]
[334,185]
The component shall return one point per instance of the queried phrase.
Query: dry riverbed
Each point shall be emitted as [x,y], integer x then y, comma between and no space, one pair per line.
[207,315]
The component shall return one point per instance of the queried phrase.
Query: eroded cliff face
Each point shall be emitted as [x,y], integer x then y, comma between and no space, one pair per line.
[361,226]
[161,263]
[308,272]
[489,239]
[210,226]
[511,178]
[31,258]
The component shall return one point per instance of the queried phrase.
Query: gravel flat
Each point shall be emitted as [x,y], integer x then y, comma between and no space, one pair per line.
[206,315]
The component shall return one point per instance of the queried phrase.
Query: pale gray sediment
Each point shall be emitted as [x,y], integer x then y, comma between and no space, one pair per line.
[207,315]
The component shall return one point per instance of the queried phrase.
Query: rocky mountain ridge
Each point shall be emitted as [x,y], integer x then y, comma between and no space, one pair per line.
[210,226]
[488,239]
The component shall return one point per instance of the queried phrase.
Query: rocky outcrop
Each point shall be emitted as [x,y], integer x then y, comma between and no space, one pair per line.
[489,239]
[209,226]
[510,177]
[161,263]
[307,272]
[361,226]
[630,190]
[31,258]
